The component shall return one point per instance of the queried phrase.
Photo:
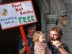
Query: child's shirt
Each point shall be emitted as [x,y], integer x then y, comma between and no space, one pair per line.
[41,48]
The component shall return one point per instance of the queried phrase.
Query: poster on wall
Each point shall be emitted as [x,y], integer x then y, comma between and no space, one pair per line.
[16,14]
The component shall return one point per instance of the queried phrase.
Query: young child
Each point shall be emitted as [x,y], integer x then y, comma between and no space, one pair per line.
[40,46]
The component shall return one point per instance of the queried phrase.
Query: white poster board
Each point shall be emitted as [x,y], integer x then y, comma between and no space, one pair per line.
[16,14]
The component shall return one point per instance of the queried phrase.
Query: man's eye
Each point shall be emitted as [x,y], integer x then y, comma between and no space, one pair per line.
[55,35]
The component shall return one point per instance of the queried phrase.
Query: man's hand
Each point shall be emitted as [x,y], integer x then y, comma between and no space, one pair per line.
[57,43]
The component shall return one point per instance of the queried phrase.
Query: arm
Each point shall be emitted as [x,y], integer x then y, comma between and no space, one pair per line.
[22,51]
[63,51]
[66,48]
[59,45]
[22,44]
[21,47]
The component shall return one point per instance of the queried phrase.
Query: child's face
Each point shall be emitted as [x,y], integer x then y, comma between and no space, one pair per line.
[42,38]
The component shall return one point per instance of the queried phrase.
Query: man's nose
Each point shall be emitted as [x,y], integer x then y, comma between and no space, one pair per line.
[53,36]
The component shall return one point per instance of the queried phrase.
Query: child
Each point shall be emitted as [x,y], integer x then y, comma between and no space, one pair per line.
[40,46]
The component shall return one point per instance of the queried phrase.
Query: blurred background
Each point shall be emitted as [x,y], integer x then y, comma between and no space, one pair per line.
[49,13]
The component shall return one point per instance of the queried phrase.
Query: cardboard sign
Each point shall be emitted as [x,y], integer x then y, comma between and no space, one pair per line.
[16,14]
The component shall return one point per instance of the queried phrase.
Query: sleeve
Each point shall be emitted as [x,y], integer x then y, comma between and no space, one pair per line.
[66,48]
[20,46]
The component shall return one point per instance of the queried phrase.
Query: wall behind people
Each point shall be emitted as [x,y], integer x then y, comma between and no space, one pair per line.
[67,31]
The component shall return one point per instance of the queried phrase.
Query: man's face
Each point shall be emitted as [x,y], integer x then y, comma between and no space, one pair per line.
[31,30]
[53,35]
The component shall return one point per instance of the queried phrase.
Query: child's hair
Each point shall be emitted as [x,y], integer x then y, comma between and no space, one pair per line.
[37,34]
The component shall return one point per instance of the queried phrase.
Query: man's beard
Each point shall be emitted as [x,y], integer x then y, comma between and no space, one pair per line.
[52,39]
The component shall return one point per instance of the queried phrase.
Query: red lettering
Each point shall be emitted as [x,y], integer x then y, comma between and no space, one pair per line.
[29,11]
[24,12]
[20,13]
[20,4]
[19,9]
[16,9]
[16,5]
[12,5]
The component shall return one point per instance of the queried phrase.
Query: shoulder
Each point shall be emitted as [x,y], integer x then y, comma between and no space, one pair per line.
[66,47]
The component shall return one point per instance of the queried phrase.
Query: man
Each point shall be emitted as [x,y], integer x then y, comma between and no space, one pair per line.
[31,28]
[55,44]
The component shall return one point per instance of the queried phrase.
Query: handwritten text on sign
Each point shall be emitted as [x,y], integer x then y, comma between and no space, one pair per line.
[16,14]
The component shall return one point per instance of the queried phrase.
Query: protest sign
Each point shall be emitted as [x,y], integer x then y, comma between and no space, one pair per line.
[16,14]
